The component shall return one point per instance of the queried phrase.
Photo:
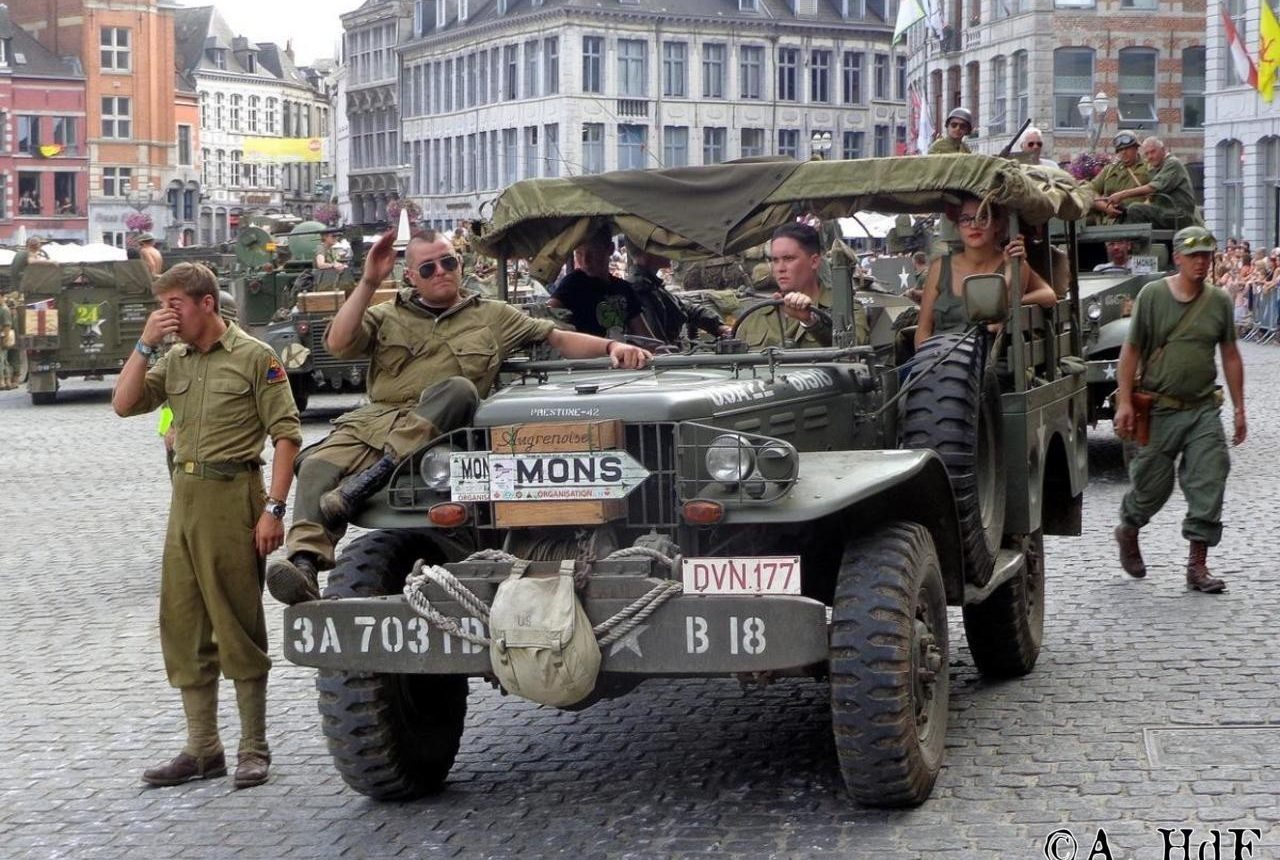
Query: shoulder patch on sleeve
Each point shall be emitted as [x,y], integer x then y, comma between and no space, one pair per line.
[275,371]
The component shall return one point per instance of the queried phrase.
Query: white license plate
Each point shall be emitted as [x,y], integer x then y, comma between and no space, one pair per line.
[742,575]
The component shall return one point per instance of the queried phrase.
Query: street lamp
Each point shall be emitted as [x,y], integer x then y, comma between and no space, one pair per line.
[1094,112]
[820,145]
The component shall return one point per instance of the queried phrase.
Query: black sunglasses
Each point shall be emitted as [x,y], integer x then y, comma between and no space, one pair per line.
[1036,143]
[449,262]
[957,124]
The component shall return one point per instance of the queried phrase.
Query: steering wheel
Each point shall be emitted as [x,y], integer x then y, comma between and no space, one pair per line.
[773,303]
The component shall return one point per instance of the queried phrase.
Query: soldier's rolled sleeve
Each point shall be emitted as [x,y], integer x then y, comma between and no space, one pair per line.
[276,409]
[516,329]
[152,389]
[365,336]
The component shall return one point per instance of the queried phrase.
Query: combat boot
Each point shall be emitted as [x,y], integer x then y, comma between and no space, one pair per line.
[1198,576]
[294,580]
[185,768]
[337,506]
[1130,553]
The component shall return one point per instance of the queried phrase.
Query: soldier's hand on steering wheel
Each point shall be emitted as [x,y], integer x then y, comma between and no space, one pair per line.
[629,357]
[798,306]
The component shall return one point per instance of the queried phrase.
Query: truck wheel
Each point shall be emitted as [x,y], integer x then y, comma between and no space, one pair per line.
[301,388]
[1005,630]
[43,388]
[392,737]
[954,409]
[44,398]
[889,671]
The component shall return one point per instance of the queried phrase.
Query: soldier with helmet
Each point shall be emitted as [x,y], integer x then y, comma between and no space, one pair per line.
[959,126]
[1127,171]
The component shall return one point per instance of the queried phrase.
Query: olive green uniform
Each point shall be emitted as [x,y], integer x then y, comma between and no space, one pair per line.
[225,403]
[946,146]
[427,373]
[1185,421]
[7,373]
[1173,201]
[1116,176]
[762,328]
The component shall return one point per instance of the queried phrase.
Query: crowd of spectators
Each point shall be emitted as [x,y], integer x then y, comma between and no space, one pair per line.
[1251,279]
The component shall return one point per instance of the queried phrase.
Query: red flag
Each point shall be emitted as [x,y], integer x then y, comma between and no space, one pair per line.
[1246,71]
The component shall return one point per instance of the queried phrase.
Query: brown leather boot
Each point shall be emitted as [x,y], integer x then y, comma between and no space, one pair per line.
[185,768]
[1198,576]
[1130,553]
[293,580]
[252,768]
[338,505]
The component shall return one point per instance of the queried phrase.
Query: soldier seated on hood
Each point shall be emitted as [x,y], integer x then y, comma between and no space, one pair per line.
[666,317]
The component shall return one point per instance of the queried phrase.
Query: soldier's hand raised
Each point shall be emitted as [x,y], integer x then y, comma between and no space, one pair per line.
[159,325]
[381,260]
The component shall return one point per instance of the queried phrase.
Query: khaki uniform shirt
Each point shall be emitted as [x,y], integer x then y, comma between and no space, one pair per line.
[761,328]
[411,349]
[1172,184]
[946,146]
[1117,177]
[1186,369]
[225,401]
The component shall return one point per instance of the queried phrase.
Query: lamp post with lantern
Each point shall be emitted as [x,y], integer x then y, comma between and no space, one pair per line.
[1094,112]
[820,145]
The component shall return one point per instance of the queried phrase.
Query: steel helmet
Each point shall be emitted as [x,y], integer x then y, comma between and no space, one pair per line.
[961,114]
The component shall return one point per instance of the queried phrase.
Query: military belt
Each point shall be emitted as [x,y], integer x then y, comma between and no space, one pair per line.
[1168,401]
[225,471]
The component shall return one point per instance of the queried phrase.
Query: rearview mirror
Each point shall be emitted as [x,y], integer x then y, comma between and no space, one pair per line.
[986,298]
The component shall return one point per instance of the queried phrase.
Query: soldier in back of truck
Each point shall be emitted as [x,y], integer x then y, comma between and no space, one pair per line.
[1127,171]
[1172,203]
[434,352]
[667,317]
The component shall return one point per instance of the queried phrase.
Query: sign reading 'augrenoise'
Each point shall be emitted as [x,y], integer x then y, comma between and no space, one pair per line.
[486,477]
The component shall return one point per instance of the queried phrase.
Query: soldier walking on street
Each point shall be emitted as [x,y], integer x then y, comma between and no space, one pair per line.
[228,393]
[1177,322]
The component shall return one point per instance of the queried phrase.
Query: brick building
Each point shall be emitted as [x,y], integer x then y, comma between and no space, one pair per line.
[43,160]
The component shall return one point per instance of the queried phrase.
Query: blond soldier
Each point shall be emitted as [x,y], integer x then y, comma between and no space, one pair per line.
[228,393]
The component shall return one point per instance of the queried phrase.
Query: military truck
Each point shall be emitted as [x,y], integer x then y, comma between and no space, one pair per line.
[749,515]
[80,319]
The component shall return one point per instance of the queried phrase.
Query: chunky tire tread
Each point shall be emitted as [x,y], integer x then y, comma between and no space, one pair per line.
[392,737]
[1005,630]
[301,389]
[944,411]
[883,757]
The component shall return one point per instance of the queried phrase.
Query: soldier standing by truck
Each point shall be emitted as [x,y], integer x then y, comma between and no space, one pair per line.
[1177,321]
[228,393]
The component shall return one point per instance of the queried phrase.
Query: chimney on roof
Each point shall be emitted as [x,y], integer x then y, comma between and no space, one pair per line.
[288,49]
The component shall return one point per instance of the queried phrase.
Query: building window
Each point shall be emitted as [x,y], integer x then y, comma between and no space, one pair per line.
[713,71]
[1138,4]
[851,78]
[881,76]
[64,193]
[853,144]
[752,142]
[675,146]
[820,76]
[633,72]
[1193,82]
[1020,85]
[1269,148]
[550,66]
[114,53]
[184,146]
[751,73]
[531,76]
[631,146]
[999,96]
[220,168]
[881,141]
[1238,11]
[788,64]
[236,101]
[235,168]
[675,69]
[64,133]
[900,78]
[271,116]
[1072,79]
[29,202]
[550,149]
[510,76]
[116,180]
[592,64]
[219,110]
[713,145]
[593,147]
[116,117]
[1137,87]
[900,140]
[1071,4]
[28,134]
[1231,177]
[510,158]
[789,142]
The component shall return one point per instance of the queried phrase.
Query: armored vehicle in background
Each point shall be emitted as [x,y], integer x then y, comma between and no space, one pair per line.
[80,319]
[727,513]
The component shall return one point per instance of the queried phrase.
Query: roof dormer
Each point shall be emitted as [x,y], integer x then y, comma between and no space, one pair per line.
[804,8]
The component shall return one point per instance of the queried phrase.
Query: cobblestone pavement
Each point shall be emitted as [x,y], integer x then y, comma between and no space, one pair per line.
[1151,706]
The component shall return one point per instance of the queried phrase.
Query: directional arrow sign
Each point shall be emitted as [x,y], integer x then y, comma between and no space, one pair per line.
[481,477]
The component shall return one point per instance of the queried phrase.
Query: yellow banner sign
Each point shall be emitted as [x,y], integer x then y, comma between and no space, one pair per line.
[282,150]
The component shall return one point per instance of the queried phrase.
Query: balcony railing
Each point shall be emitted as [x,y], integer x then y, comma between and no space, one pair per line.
[633,108]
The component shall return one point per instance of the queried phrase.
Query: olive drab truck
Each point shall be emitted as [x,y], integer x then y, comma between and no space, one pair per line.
[724,513]
[80,320]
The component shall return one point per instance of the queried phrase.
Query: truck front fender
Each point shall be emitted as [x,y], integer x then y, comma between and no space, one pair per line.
[1111,337]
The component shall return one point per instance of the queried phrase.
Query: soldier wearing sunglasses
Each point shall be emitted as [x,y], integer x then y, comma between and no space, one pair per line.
[959,126]
[433,353]
[1177,322]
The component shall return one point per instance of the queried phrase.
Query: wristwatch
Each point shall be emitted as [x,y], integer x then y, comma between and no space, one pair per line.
[276,508]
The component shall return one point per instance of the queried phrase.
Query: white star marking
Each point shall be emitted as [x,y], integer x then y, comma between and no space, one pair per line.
[1111,371]
[903,277]
[630,641]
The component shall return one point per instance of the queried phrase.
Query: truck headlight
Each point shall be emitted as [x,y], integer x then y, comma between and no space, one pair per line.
[1093,312]
[730,458]
[434,467]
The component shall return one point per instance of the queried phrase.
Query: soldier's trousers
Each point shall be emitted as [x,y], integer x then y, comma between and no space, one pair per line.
[1159,217]
[444,406]
[211,616]
[1193,441]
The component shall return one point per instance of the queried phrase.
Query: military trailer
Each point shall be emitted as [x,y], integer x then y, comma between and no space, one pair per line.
[725,513]
[80,319]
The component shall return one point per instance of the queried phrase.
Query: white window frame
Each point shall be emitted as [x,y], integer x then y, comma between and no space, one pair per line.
[115,51]
[121,127]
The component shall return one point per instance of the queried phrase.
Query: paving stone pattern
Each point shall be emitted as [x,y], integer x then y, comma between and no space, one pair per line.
[678,768]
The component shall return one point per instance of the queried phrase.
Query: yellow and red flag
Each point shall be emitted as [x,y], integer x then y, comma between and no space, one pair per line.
[1268,50]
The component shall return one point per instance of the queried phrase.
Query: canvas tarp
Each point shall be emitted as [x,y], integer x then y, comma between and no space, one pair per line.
[695,212]
[130,277]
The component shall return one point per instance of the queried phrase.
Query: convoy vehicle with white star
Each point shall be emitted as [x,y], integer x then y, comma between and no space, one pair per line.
[750,515]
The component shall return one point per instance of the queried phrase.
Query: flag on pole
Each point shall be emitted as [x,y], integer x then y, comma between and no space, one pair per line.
[924,125]
[1268,50]
[909,12]
[1245,70]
